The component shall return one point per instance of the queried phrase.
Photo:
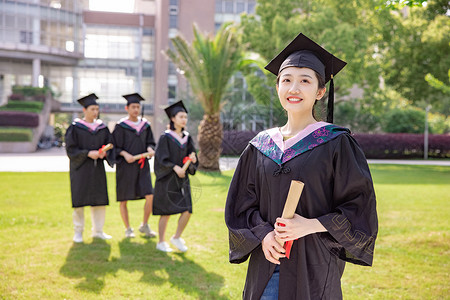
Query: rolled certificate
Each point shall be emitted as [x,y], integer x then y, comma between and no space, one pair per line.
[186,161]
[295,191]
[139,156]
[105,148]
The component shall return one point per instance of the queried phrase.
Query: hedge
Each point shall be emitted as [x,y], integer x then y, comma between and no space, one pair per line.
[27,106]
[403,145]
[375,146]
[20,119]
[14,134]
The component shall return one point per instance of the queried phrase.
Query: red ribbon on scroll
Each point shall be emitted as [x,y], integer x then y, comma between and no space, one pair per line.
[141,161]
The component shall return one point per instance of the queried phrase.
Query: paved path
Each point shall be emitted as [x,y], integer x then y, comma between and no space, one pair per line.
[55,160]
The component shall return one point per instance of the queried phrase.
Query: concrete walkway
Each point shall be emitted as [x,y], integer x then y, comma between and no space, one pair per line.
[56,160]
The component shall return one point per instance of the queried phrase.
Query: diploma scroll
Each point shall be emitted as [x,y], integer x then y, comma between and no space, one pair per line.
[293,197]
[186,162]
[105,148]
[139,156]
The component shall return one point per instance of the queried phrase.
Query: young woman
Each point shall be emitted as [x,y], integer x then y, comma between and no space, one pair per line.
[172,187]
[133,135]
[84,139]
[335,220]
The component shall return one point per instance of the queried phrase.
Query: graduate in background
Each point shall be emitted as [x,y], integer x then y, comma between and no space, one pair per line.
[336,219]
[84,139]
[133,135]
[172,187]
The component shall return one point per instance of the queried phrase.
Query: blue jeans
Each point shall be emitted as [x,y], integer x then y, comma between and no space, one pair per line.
[271,290]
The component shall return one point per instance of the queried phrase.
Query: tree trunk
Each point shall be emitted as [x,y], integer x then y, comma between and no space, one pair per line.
[210,137]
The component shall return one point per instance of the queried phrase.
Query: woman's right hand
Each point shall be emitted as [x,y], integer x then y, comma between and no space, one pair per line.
[128,157]
[273,251]
[93,154]
[179,171]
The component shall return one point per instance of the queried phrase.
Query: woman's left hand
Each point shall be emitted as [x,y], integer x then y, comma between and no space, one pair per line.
[193,157]
[296,227]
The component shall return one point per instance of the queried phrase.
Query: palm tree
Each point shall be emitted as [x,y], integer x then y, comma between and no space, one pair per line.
[208,64]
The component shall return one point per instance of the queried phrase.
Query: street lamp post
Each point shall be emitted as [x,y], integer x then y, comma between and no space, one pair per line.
[425,136]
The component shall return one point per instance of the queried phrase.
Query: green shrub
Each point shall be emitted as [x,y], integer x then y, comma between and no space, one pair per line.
[28,106]
[407,120]
[27,90]
[15,134]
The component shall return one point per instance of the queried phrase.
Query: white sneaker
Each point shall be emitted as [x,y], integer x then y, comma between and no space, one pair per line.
[145,229]
[78,237]
[179,243]
[129,233]
[164,247]
[101,235]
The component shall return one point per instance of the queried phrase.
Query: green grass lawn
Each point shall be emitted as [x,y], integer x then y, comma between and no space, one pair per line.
[39,260]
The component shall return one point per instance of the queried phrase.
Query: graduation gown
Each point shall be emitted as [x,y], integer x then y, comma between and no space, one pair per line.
[87,176]
[338,191]
[172,194]
[132,181]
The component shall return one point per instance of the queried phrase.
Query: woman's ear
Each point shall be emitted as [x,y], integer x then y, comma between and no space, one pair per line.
[320,93]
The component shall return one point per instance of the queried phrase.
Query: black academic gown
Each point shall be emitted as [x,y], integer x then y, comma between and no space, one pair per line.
[338,191]
[87,176]
[132,181]
[172,194]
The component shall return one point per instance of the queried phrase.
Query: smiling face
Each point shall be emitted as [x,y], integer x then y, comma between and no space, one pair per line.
[298,90]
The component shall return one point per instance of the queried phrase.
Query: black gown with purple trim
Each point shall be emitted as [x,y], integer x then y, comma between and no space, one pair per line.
[172,194]
[87,176]
[132,181]
[338,191]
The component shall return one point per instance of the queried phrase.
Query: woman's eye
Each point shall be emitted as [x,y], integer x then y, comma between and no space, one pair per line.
[285,80]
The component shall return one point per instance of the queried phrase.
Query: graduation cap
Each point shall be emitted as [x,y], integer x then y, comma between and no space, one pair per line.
[134,98]
[88,100]
[175,108]
[303,52]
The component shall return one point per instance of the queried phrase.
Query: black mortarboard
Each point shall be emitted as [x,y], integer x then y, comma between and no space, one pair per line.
[302,52]
[175,108]
[88,100]
[134,98]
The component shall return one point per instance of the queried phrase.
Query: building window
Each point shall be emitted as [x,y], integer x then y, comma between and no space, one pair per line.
[26,37]
[251,7]
[173,21]
[219,6]
[229,7]
[172,91]
[240,7]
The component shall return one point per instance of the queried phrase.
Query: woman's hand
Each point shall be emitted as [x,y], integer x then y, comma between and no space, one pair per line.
[179,171]
[93,154]
[273,251]
[151,151]
[297,227]
[102,154]
[128,157]
[193,157]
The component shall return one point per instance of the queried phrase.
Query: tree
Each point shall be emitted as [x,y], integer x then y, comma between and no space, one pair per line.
[339,26]
[414,45]
[208,64]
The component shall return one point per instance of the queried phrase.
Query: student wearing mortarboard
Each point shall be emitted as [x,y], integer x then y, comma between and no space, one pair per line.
[172,187]
[132,136]
[84,139]
[336,219]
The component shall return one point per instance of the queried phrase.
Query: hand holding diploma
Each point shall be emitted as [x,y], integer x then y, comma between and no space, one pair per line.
[102,151]
[143,156]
